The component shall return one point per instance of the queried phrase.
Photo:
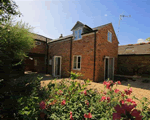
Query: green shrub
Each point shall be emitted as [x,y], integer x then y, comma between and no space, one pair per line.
[74,75]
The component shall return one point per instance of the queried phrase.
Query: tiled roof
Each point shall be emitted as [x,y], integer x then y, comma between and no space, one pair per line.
[137,49]
[42,38]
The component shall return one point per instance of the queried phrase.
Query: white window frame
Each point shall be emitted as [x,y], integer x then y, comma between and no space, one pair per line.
[37,43]
[77,33]
[109,38]
[76,62]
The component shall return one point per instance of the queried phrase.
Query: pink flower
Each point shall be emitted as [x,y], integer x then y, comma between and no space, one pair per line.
[60,92]
[119,109]
[42,105]
[71,118]
[63,102]
[116,90]
[122,101]
[85,93]
[88,115]
[116,116]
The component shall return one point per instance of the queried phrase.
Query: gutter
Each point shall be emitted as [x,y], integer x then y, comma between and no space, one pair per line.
[94,55]
[47,48]
[70,55]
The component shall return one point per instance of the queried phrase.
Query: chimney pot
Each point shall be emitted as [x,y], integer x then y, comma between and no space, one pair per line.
[61,36]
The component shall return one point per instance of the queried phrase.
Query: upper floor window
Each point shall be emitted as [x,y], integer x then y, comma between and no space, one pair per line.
[77,34]
[37,43]
[109,36]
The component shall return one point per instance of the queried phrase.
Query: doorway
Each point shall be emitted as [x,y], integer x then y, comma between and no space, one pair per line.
[57,66]
[109,68]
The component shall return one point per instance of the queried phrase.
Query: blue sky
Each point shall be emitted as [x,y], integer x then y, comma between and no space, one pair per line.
[54,17]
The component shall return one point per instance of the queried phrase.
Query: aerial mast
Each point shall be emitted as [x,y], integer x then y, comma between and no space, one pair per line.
[120,18]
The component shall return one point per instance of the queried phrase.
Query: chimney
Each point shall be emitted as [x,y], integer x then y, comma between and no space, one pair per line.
[61,36]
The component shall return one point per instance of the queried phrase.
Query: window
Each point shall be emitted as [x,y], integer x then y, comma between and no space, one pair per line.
[77,34]
[109,37]
[77,62]
[37,43]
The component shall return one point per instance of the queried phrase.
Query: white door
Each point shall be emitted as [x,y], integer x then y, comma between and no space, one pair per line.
[109,68]
[57,66]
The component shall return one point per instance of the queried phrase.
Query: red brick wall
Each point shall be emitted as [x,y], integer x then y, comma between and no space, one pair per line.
[39,49]
[61,49]
[105,48]
[127,64]
[85,48]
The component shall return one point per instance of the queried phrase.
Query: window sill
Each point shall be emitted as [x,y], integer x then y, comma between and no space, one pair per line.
[109,41]
[77,69]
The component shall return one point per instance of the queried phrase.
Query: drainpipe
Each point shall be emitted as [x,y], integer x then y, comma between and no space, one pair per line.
[47,48]
[70,54]
[94,55]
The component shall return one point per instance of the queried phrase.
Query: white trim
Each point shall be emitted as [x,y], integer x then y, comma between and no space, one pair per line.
[54,66]
[76,62]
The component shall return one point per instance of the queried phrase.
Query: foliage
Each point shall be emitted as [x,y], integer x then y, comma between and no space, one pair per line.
[75,75]
[15,41]
[8,8]
[24,87]
[71,100]
[148,39]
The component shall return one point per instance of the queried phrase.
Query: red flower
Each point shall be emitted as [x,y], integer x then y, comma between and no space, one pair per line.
[87,102]
[108,99]
[42,105]
[116,90]
[63,102]
[103,98]
[116,116]
[135,113]
[119,109]
[60,92]
[122,95]
[139,118]
[128,92]
[85,93]
[88,115]
[119,82]
[71,118]
[129,100]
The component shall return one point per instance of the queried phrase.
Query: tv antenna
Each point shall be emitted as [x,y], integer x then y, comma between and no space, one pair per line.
[120,18]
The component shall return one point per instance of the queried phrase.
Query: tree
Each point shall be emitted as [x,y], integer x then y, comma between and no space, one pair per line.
[8,8]
[148,39]
[16,40]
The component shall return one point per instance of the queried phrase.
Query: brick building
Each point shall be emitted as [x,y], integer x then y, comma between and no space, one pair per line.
[134,59]
[90,51]
[36,60]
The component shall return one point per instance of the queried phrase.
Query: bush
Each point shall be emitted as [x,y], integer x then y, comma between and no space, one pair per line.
[71,100]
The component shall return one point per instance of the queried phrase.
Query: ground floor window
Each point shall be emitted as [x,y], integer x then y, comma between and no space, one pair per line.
[77,62]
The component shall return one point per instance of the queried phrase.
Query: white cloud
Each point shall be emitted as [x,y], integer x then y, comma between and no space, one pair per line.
[106,15]
[140,40]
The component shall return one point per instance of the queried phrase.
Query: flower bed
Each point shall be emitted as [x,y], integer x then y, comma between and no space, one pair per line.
[71,100]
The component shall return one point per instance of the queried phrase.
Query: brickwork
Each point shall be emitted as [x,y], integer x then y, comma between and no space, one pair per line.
[39,49]
[61,49]
[85,48]
[127,64]
[105,48]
